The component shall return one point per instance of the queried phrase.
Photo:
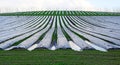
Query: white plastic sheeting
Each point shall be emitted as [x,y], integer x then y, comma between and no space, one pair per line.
[96,47]
[97,32]
[74,46]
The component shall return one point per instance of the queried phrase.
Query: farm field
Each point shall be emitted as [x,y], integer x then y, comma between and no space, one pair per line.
[77,38]
[59,57]
[54,32]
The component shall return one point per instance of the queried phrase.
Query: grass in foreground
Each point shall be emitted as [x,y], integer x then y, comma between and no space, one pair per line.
[59,57]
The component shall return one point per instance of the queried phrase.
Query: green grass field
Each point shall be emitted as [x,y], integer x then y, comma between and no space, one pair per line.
[59,57]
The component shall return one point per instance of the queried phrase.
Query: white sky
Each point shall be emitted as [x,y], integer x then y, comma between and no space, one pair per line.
[59,4]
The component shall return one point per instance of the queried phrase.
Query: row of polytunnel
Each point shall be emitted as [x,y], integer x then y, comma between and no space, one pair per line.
[56,32]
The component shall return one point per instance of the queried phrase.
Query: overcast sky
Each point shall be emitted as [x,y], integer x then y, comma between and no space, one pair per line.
[60,4]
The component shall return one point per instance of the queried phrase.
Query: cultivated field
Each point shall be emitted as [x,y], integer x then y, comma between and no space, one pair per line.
[54,32]
[25,35]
